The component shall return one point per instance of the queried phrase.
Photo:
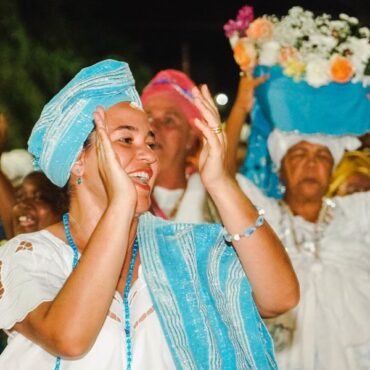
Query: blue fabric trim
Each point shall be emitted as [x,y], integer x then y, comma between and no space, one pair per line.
[334,109]
[202,297]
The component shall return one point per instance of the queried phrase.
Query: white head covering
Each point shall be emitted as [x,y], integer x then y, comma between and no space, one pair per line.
[16,164]
[280,142]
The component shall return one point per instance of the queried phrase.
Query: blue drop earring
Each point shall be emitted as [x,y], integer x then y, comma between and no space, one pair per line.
[79,178]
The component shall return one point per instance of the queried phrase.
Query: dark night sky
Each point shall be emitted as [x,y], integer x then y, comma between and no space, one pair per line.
[161,31]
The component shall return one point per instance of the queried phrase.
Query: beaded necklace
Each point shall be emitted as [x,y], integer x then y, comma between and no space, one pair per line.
[309,246]
[126,291]
[72,244]
[135,249]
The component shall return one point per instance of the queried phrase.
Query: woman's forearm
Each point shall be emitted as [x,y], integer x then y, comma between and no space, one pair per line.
[233,129]
[263,257]
[241,108]
[70,324]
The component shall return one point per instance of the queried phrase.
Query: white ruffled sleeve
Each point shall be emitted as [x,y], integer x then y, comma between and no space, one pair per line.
[32,271]
[356,211]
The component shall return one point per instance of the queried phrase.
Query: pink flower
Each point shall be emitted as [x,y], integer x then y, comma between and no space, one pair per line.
[241,23]
[246,14]
[231,27]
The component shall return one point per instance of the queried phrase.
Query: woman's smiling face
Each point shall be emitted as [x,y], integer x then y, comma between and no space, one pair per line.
[133,141]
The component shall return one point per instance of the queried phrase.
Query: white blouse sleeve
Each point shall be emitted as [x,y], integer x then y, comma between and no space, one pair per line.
[31,272]
[356,211]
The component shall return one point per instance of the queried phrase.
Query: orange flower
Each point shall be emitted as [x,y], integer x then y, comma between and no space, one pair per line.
[260,29]
[341,69]
[287,54]
[245,54]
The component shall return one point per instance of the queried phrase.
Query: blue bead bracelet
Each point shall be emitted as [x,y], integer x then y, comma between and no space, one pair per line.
[249,231]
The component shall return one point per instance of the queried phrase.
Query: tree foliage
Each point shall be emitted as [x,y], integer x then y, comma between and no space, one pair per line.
[29,74]
[41,50]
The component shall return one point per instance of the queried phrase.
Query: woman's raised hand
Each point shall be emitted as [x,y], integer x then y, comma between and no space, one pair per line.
[238,114]
[212,161]
[118,184]
[247,85]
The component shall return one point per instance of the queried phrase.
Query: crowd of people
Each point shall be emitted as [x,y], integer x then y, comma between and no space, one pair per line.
[137,244]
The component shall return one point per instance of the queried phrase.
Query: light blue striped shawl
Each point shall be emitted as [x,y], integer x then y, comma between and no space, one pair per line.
[202,297]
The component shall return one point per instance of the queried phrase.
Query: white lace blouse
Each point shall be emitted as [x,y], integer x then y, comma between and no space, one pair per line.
[33,268]
[330,327]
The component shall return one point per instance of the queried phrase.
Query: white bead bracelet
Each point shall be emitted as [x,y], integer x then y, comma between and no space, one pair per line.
[249,231]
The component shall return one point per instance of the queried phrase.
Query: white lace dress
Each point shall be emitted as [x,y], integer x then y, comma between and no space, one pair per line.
[330,328]
[33,268]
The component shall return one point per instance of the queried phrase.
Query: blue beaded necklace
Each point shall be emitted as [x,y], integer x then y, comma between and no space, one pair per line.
[135,249]
[126,291]
[72,244]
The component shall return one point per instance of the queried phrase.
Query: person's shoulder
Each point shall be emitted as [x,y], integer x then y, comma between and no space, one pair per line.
[21,241]
[352,212]
[248,187]
[255,194]
[38,237]
[353,201]
[39,243]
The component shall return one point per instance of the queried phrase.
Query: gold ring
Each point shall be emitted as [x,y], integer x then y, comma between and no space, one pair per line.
[217,130]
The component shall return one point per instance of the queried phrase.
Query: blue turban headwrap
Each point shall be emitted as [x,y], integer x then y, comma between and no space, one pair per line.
[291,106]
[66,121]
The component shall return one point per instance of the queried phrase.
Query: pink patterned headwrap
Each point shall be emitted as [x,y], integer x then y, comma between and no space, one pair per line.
[176,85]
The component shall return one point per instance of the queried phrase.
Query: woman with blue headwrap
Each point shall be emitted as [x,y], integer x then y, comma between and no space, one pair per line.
[103,289]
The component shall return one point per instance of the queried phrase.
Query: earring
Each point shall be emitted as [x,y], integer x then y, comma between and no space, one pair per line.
[79,178]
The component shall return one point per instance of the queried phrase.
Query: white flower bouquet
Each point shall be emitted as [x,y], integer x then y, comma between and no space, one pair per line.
[318,50]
